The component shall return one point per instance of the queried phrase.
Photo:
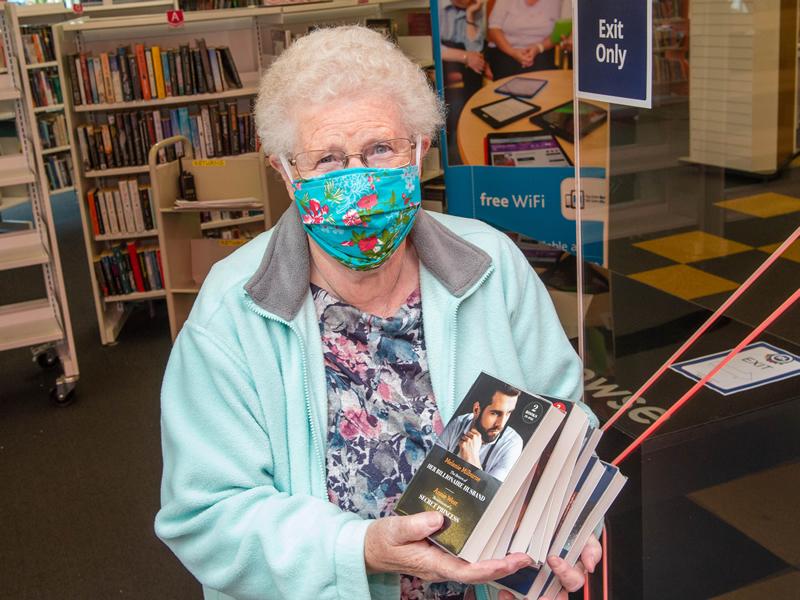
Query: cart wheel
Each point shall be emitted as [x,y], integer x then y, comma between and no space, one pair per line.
[61,399]
[47,360]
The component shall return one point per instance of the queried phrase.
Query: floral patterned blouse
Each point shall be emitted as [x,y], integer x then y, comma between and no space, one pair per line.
[382,414]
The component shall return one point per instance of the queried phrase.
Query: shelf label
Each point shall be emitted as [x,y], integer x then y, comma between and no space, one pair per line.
[77,6]
[208,162]
[175,18]
[614,46]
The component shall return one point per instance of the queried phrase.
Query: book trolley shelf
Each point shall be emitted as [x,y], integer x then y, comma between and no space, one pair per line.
[43,323]
[38,63]
[248,33]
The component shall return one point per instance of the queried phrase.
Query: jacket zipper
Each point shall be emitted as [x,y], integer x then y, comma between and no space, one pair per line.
[315,441]
[453,325]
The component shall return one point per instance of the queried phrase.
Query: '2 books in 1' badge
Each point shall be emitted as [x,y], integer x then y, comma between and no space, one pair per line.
[479,464]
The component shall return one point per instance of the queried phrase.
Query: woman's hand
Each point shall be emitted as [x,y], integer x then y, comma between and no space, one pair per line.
[572,578]
[475,61]
[398,545]
[524,56]
[472,10]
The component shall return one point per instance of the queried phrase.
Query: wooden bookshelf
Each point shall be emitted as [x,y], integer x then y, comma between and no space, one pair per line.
[95,36]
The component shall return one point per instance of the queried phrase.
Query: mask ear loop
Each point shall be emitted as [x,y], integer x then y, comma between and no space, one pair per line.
[419,155]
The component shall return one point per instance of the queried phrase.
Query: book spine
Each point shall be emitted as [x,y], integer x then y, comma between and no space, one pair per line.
[100,211]
[93,213]
[83,146]
[233,128]
[159,134]
[141,65]
[229,67]
[99,144]
[147,208]
[167,73]
[108,85]
[134,260]
[215,72]
[86,86]
[116,78]
[127,207]
[199,79]
[216,130]
[136,203]
[151,73]
[125,74]
[114,136]
[136,80]
[178,57]
[108,148]
[98,87]
[206,131]
[175,129]
[188,70]
[77,92]
[197,143]
[111,211]
[206,65]
[173,71]
[225,133]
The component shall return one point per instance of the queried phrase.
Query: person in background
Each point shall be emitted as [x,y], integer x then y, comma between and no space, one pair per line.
[320,360]
[461,32]
[519,36]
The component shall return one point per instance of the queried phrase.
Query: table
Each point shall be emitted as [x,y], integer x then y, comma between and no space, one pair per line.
[472,131]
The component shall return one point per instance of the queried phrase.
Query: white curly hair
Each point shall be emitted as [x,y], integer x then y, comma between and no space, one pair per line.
[335,62]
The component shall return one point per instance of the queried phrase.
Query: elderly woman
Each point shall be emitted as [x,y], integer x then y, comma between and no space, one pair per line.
[321,359]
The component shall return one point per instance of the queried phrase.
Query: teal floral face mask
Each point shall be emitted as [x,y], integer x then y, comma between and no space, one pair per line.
[359,216]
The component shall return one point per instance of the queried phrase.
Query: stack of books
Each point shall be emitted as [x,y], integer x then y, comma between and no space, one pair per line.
[37,44]
[53,131]
[146,73]
[59,171]
[45,87]
[124,139]
[128,268]
[126,208]
[515,472]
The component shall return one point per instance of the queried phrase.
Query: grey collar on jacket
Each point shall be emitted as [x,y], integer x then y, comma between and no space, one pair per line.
[280,284]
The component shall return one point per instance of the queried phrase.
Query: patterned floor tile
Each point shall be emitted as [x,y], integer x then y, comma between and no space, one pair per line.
[692,246]
[763,205]
[791,253]
[684,281]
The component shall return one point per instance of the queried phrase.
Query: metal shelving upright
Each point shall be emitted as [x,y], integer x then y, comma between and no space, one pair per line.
[44,323]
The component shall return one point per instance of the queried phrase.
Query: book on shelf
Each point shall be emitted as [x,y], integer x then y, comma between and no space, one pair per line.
[151,72]
[667,9]
[45,87]
[37,44]
[52,130]
[479,463]
[514,471]
[129,267]
[58,170]
[123,139]
[126,208]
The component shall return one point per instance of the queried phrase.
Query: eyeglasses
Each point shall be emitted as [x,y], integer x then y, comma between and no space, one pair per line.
[386,154]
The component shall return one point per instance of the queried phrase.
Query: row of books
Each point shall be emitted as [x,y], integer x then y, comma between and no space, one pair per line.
[231,233]
[668,37]
[37,43]
[220,4]
[209,216]
[53,130]
[45,87]
[532,485]
[126,208]
[150,72]
[124,139]
[669,70]
[59,171]
[128,268]
[667,9]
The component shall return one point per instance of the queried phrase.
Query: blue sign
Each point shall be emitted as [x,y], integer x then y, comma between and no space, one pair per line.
[614,51]
[537,202]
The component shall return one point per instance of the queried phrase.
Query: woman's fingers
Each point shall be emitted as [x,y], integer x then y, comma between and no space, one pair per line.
[591,554]
[571,578]
[455,569]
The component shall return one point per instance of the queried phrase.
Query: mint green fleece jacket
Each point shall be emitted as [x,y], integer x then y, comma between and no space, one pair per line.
[244,403]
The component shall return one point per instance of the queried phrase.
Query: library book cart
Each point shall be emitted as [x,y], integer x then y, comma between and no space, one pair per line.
[43,324]
[234,184]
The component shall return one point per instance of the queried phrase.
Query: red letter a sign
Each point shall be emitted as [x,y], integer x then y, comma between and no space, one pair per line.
[175,18]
